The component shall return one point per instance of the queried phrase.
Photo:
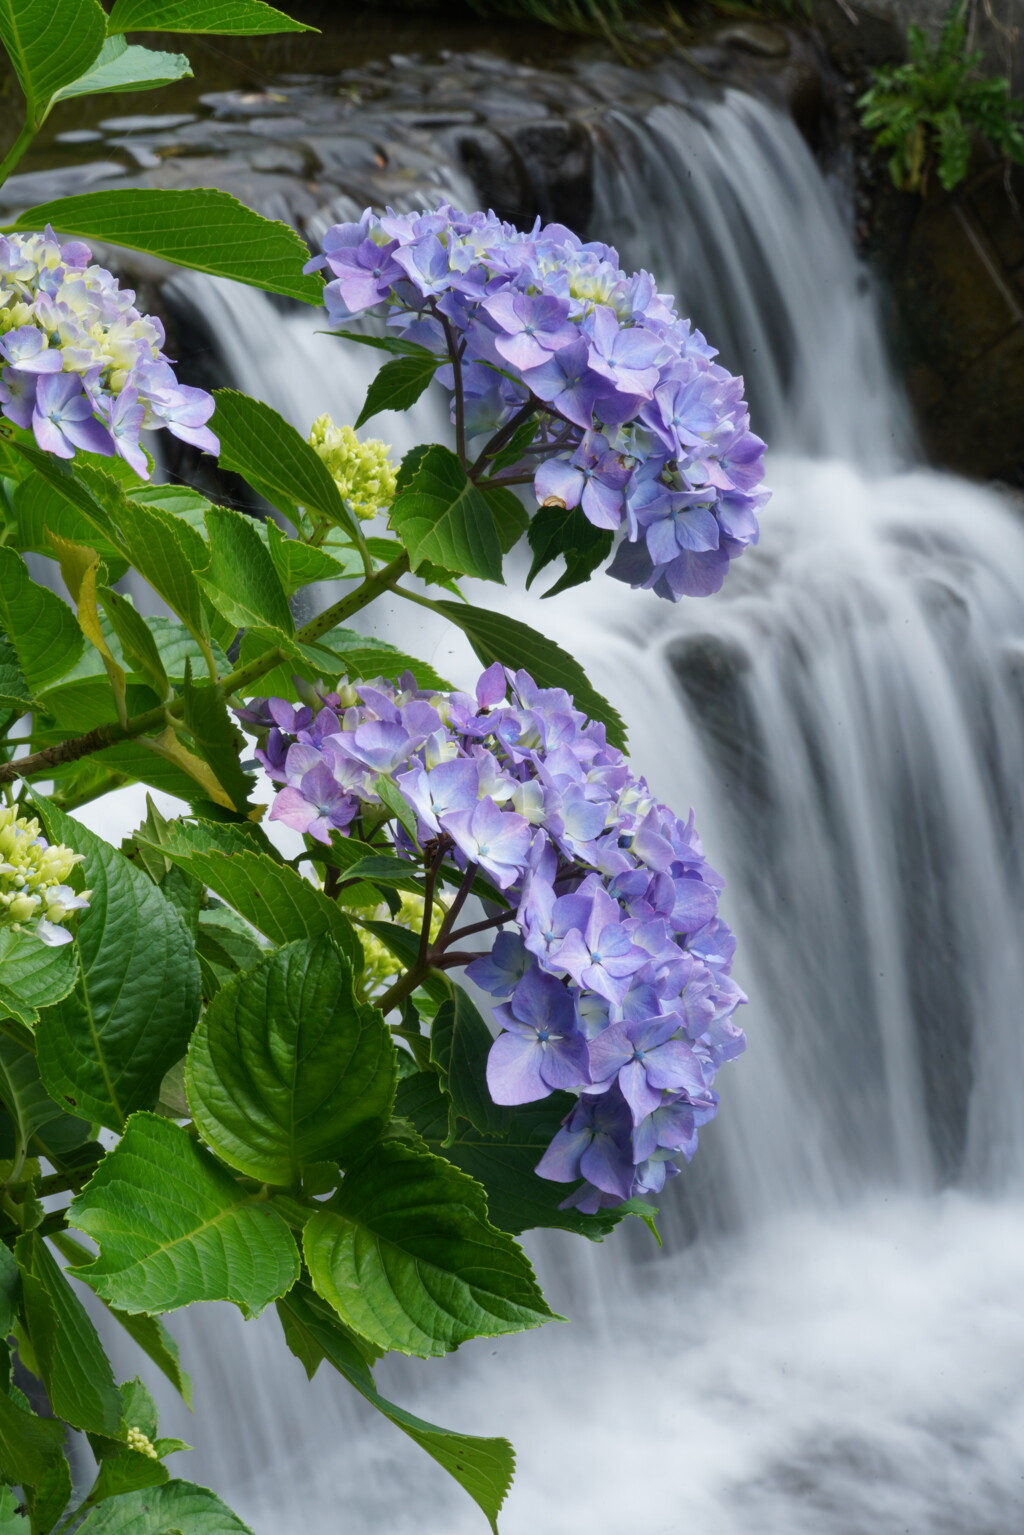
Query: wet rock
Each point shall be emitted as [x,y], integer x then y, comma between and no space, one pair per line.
[758,38]
[495,169]
[558,156]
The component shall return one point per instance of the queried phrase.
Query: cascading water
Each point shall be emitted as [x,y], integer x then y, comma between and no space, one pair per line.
[830,1345]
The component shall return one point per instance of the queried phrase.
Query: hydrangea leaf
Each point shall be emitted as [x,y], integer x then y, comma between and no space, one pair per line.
[459,1044]
[147,1331]
[516,1198]
[399,384]
[174,1508]
[33,974]
[23,1094]
[13,692]
[496,637]
[240,579]
[118,67]
[41,628]
[30,1447]
[273,897]
[141,652]
[287,1068]
[296,563]
[42,507]
[173,1226]
[232,18]
[511,518]
[554,532]
[217,738]
[10,1292]
[441,516]
[484,1467]
[49,46]
[407,1257]
[105,1048]
[276,460]
[75,1369]
[340,652]
[201,228]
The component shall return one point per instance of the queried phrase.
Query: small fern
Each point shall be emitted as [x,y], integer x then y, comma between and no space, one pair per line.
[925,112]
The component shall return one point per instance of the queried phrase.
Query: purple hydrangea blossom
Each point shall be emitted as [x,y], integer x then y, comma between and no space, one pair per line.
[633,419]
[609,963]
[80,366]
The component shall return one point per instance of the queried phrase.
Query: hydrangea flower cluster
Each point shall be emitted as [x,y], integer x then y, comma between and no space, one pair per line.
[635,421]
[363,471]
[79,365]
[610,964]
[33,895]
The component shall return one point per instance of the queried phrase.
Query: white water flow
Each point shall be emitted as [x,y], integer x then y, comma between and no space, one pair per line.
[832,1342]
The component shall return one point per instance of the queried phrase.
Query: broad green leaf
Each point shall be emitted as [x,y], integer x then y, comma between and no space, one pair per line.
[459,1045]
[141,652]
[511,518]
[49,45]
[555,532]
[10,1294]
[33,974]
[399,384]
[43,507]
[13,692]
[177,647]
[105,1048]
[484,1467]
[497,637]
[38,624]
[296,563]
[173,1227]
[30,1447]
[148,1331]
[393,344]
[118,67]
[217,738]
[233,18]
[48,1501]
[23,1095]
[125,1471]
[241,580]
[407,1257]
[75,1370]
[203,229]
[441,516]
[288,1068]
[176,1508]
[276,460]
[517,1199]
[274,898]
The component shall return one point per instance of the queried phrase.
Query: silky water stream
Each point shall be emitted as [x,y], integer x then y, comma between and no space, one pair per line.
[832,1342]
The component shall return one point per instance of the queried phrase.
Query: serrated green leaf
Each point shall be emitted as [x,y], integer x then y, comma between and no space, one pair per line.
[49,45]
[118,67]
[41,508]
[10,1296]
[443,517]
[240,579]
[173,1227]
[203,229]
[555,532]
[297,564]
[276,460]
[393,344]
[105,1048]
[399,384]
[30,1447]
[409,1260]
[42,629]
[176,1508]
[233,18]
[288,1068]
[459,1044]
[14,693]
[141,652]
[216,738]
[511,518]
[483,1467]
[496,637]
[516,1198]
[24,1096]
[33,974]
[75,1369]
[274,898]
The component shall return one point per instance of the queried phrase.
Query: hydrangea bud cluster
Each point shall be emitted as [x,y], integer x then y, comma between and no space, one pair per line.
[141,1443]
[610,967]
[79,365]
[634,421]
[33,895]
[362,471]
[381,967]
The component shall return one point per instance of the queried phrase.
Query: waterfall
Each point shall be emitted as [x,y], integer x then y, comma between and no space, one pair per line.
[829,1344]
